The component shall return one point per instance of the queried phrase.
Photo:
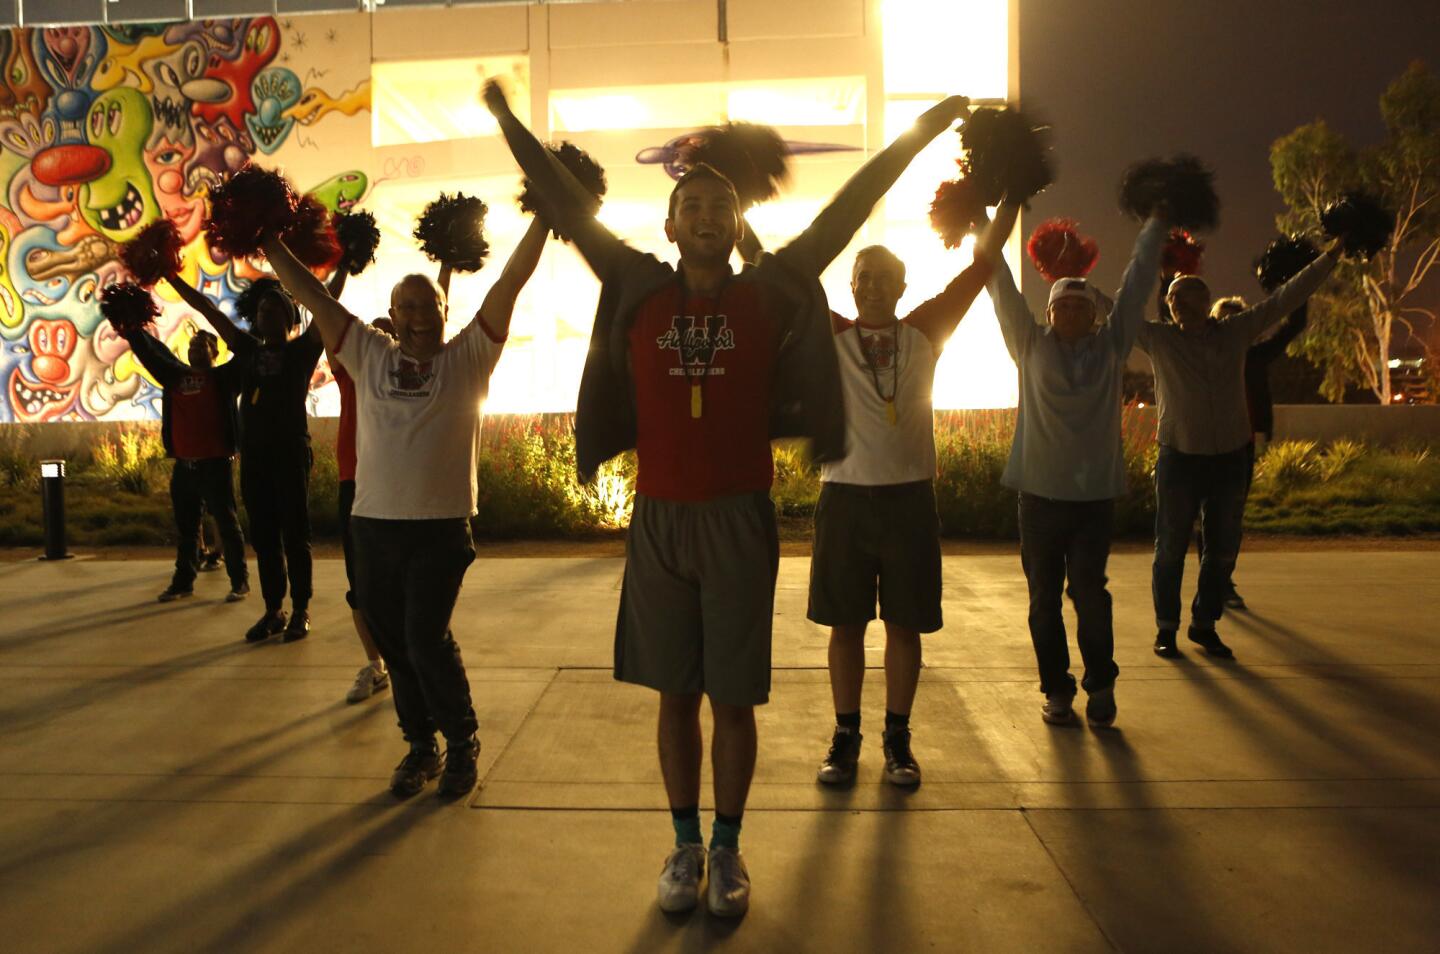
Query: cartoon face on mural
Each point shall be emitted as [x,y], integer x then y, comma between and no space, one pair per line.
[119,203]
[343,192]
[103,130]
[21,84]
[275,90]
[236,74]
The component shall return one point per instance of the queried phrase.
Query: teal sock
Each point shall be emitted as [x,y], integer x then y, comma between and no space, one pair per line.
[725,833]
[687,826]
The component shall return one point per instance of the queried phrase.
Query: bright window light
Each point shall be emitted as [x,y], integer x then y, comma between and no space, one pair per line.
[438,100]
[663,106]
[825,101]
[958,46]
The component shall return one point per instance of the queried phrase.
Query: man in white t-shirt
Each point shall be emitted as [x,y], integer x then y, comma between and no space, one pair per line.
[418,400]
[876,528]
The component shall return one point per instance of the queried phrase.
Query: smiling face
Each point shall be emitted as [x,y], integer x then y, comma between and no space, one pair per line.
[704,221]
[877,282]
[418,310]
[120,203]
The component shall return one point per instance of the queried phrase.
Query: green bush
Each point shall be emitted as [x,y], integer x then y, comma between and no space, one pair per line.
[18,466]
[131,462]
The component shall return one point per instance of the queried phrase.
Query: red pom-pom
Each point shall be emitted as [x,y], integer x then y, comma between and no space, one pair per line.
[1181,255]
[244,209]
[311,237]
[154,253]
[1058,250]
[128,307]
[958,209]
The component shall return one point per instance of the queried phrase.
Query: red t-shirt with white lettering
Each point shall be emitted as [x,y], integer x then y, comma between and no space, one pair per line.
[345,433]
[197,422]
[727,345]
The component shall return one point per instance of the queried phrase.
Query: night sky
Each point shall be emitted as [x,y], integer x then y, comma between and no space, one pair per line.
[1123,79]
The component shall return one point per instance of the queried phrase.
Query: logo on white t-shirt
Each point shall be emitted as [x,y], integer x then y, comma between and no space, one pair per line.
[412,378]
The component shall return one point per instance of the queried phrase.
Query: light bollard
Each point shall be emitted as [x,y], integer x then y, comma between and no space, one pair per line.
[52,505]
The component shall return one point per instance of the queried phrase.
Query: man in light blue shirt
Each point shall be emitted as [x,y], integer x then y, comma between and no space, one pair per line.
[1067,462]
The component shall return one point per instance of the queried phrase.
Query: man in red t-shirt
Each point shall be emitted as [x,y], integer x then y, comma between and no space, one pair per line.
[697,368]
[197,427]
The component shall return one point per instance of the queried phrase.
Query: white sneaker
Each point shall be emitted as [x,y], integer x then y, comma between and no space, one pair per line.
[729,889]
[679,888]
[368,681]
[1059,708]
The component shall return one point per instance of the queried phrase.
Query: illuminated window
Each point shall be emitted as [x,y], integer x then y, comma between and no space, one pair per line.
[437,100]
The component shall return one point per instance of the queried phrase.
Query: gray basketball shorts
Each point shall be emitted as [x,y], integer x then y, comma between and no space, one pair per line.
[698,600]
[883,538]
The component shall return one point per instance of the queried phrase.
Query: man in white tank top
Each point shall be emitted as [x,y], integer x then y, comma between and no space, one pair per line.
[876,529]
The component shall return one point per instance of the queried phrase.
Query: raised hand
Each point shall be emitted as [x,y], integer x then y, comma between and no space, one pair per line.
[943,115]
[494,98]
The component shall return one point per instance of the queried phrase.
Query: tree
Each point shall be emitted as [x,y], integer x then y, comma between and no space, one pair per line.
[1354,318]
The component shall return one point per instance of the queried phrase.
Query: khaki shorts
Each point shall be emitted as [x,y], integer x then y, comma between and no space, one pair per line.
[699,598]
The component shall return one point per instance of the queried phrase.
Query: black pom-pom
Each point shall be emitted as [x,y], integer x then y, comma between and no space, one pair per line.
[451,231]
[956,211]
[1182,185]
[753,157]
[310,235]
[128,307]
[154,253]
[1006,155]
[1282,260]
[582,166]
[1360,222]
[359,237]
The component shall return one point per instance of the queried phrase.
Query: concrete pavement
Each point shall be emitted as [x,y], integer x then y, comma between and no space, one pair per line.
[166,787]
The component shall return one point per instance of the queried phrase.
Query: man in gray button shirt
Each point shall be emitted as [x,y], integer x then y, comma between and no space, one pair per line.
[1204,442]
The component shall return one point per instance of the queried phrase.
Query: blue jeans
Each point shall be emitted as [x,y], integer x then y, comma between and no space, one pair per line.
[1211,487]
[1062,539]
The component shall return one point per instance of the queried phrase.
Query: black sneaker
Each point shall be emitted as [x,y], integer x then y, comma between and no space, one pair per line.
[1209,640]
[210,561]
[271,624]
[1233,599]
[1100,708]
[420,765]
[172,593]
[839,765]
[900,766]
[460,771]
[299,626]
[1165,644]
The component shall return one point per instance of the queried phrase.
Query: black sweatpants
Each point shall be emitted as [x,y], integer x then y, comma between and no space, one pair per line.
[407,578]
[197,486]
[276,487]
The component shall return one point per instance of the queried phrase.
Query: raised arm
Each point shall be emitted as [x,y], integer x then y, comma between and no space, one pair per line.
[235,339]
[1017,322]
[1274,346]
[816,247]
[568,202]
[443,279]
[1252,322]
[327,314]
[499,305]
[937,318]
[1141,277]
[154,357]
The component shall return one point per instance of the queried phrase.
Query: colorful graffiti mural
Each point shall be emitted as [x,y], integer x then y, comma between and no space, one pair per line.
[104,129]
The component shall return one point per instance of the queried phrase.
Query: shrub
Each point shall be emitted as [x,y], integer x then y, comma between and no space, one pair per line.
[129,462]
[1288,464]
[18,467]
[1337,458]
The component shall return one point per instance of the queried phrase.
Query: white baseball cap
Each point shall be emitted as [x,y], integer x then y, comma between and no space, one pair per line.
[1071,288]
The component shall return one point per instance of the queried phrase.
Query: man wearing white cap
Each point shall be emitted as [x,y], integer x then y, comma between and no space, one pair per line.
[1067,462]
